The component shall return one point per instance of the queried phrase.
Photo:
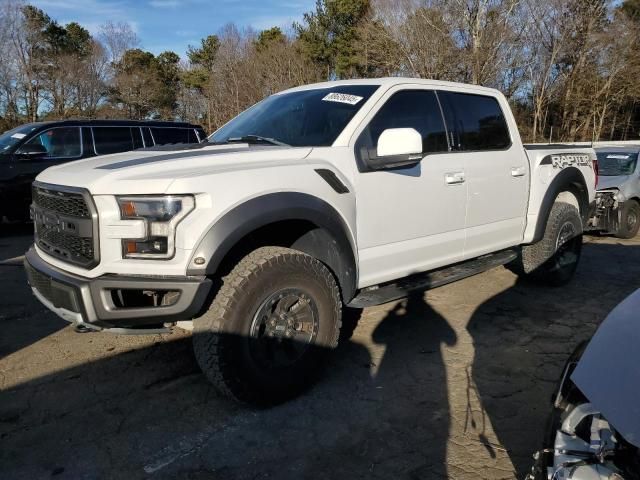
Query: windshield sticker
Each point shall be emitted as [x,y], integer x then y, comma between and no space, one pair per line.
[619,157]
[19,136]
[342,98]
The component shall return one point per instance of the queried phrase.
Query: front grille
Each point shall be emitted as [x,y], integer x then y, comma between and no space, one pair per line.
[61,296]
[64,203]
[64,224]
[77,247]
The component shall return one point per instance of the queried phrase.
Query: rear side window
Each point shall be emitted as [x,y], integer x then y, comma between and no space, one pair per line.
[166,135]
[137,137]
[475,122]
[146,135]
[416,109]
[191,136]
[112,140]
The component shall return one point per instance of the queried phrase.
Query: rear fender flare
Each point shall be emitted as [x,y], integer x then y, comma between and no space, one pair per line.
[571,180]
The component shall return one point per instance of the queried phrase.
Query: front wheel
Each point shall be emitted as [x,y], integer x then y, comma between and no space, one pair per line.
[629,220]
[265,337]
[554,259]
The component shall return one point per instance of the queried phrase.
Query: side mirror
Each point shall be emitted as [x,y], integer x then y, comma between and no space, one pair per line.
[397,147]
[32,150]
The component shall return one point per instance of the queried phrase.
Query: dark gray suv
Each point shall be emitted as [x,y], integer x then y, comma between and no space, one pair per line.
[27,150]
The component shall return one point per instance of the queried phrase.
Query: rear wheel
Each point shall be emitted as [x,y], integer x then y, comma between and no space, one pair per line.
[269,328]
[630,220]
[554,259]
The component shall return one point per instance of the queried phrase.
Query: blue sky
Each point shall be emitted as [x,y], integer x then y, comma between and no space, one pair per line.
[175,24]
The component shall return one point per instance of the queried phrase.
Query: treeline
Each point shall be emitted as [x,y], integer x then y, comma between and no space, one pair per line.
[570,68]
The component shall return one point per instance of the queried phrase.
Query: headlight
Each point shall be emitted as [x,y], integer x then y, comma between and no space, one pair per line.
[161,215]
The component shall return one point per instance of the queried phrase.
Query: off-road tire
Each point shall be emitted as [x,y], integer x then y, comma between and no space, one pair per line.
[223,335]
[546,261]
[629,220]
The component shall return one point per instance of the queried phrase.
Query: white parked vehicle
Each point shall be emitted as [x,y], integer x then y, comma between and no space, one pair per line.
[341,193]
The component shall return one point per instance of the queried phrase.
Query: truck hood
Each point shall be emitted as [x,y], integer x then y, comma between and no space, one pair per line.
[605,183]
[608,372]
[153,171]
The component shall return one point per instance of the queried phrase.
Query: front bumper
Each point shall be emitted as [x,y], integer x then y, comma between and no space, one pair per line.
[97,302]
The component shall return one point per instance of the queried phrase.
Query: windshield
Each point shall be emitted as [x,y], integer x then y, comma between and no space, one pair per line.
[9,138]
[612,164]
[308,118]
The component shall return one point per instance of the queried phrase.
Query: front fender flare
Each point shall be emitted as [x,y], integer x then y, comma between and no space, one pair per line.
[331,243]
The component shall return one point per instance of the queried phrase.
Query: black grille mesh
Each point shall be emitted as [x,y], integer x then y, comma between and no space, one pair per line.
[64,203]
[80,248]
[59,295]
[53,239]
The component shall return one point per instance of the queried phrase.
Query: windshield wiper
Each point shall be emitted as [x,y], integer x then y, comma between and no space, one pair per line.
[256,139]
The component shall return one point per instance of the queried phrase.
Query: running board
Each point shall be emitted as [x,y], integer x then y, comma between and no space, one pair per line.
[388,292]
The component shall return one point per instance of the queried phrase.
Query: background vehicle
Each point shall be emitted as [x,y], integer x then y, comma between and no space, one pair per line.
[594,430]
[618,196]
[341,193]
[27,150]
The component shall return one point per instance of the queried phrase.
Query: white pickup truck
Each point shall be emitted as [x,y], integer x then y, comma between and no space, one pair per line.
[348,193]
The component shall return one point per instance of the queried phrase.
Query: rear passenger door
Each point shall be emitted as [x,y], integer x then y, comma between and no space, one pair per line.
[169,135]
[109,140]
[496,171]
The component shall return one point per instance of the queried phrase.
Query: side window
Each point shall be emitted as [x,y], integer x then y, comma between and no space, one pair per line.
[146,135]
[201,135]
[137,137]
[417,109]
[166,135]
[112,139]
[191,136]
[61,142]
[475,122]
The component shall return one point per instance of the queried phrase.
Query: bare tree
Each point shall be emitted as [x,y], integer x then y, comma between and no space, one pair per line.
[117,38]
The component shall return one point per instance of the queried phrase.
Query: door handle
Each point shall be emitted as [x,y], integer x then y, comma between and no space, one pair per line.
[454,178]
[518,171]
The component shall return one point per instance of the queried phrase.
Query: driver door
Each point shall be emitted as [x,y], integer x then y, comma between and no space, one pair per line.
[46,149]
[409,219]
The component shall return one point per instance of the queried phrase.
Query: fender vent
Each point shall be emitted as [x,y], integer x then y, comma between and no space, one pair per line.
[331,178]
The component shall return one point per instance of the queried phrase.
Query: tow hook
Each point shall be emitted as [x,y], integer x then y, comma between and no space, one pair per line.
[79,328]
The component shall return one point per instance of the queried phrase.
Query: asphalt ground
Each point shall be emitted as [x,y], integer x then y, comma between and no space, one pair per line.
[453,384]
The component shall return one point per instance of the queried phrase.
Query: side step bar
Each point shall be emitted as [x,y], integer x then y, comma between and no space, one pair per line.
[388,292]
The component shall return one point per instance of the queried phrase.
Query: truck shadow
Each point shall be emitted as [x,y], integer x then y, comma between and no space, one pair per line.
[381,410]
[523,336]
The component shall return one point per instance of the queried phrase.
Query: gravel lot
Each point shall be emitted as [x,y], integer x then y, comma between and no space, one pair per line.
[455,384]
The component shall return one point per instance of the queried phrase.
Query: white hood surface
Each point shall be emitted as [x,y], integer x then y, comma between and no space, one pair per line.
[153,171]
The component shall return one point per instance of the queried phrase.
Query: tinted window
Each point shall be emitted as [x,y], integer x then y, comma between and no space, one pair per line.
[417,109]
[475,122]
[137,137]
[63,142]
[201,134]
[163,136]
[146,135]
[304,118]
[191,136]
[112,139]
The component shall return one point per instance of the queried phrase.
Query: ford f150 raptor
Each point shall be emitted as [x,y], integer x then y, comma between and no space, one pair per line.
[347,193]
